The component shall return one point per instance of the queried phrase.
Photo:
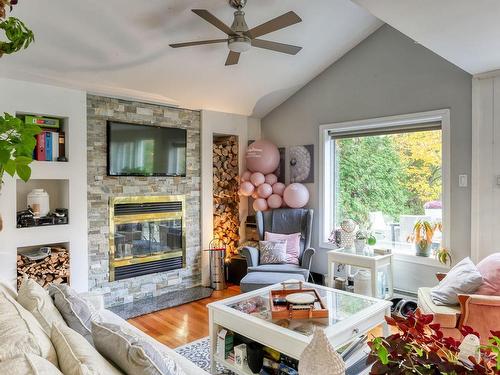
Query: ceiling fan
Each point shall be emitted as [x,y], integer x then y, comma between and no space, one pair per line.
[240,37]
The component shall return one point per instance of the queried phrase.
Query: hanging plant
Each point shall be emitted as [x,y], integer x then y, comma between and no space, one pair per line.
[16,32]
[19,36]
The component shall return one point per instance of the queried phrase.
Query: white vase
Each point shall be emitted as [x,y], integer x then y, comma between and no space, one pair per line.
[362,283]
[359,245]
[38,200]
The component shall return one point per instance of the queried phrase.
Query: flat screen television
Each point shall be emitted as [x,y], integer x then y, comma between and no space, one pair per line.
[145,150]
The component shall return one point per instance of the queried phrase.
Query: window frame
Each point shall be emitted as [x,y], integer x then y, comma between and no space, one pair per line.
[327,165]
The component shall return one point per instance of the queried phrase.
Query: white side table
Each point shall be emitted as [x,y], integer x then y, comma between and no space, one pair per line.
[373,262]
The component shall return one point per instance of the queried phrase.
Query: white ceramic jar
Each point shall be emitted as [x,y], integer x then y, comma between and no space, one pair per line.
[362,282]
[38,200]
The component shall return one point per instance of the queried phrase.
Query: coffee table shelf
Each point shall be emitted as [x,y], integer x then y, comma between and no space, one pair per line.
[230,366]
[350,315]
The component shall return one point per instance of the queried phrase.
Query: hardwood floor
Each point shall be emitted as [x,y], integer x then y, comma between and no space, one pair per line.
[182,324]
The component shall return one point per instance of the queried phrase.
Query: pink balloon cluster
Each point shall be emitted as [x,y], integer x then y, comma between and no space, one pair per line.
[260,183]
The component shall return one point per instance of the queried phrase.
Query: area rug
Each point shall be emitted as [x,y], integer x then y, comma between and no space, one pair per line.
[198,352]
[151,304]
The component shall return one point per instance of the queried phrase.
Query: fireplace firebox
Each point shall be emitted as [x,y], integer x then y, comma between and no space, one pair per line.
[147,235]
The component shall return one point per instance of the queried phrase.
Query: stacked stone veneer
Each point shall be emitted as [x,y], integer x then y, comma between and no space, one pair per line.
[101,188]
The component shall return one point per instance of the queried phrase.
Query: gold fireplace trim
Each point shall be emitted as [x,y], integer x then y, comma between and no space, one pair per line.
[133,218]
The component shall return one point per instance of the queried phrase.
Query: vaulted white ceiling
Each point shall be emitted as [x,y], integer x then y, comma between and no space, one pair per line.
[465,32]
[121,48]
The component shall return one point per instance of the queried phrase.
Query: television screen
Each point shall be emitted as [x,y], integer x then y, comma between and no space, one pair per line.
[145,150]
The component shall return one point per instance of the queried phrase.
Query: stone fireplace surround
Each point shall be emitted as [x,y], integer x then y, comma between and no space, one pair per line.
[100,188]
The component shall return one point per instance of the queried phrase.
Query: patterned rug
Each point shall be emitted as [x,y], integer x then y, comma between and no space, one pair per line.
[198,352]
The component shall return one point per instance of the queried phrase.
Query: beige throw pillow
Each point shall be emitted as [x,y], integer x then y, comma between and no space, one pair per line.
[132,352]
[37,301]
[77,356]
[20,332]
[29,364]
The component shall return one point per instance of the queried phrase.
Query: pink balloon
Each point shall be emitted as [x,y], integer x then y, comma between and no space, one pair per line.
[271,179]
[274,201]
[257,179]
[255,195]
[296,195]
[279,188]
[246,189]
[262,156]
[260,204]
[245,176]
[264,190]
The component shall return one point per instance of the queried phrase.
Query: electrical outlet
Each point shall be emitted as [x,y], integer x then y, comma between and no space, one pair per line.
[463,180]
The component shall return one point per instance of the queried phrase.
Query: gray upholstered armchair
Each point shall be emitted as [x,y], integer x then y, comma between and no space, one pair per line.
[284,221]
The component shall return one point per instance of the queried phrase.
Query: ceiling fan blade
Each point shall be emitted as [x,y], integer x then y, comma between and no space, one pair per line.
[275,46]
[198,43]
[277,23]
[232,58]
[210,18]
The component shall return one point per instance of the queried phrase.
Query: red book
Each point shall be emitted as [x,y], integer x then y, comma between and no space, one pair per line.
[40,146]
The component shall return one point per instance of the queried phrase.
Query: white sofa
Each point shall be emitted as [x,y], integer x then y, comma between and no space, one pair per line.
[187,366]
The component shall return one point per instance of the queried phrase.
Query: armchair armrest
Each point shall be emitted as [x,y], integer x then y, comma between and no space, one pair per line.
[307,258]
[482,313]
[251,254]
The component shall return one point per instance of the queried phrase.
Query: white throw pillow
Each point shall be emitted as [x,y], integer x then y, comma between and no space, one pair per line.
[464,278]
[28,364]
[20,332]
[37,301]
[77,356]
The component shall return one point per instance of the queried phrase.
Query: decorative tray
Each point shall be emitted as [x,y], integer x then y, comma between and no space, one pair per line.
[282,308]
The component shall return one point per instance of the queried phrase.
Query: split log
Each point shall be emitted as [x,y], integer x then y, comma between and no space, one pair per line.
[52,269]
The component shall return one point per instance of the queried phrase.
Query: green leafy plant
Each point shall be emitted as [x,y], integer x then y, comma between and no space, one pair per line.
[17,141]
[420,347]
[18,35]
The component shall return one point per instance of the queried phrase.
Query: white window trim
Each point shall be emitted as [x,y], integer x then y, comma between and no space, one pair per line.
[326,151]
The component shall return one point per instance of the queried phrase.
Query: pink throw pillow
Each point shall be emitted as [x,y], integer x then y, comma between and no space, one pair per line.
[292,245]
[489,268]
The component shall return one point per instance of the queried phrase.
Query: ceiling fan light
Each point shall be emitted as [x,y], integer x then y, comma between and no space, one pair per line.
[239,44]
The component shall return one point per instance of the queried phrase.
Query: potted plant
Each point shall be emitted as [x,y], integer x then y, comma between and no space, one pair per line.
[17,141]
[444,256]
[420,347]
[423,232]
[360,240]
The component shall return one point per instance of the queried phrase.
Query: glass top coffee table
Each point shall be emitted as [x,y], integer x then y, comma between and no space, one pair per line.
[249,315]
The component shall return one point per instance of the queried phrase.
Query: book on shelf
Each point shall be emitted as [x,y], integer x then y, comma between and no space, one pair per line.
[43,122]
[49,145]
[40,147]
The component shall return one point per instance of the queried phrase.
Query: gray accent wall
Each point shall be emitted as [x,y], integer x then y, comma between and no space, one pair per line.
[386,74]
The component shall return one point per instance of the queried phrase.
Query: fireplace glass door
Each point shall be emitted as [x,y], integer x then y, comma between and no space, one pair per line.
[147,235]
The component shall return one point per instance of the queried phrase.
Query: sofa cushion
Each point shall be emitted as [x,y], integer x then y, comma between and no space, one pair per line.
[447,316]
[292,244]
[272,252]
[29,364]
[131,352]
[464,278]
[37,301]
[489,268]
[20,332]
[280,268]
[77,356]
[77,313]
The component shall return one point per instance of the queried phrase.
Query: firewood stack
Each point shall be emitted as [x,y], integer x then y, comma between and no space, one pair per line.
[226,198]
[52,269]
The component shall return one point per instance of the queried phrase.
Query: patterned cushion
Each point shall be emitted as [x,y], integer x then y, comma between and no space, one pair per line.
[272,252]
[292,245]
[77,356]
[132,353]
[489,268]
[20,333]
[76,312]
[29,364]
[37,301]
